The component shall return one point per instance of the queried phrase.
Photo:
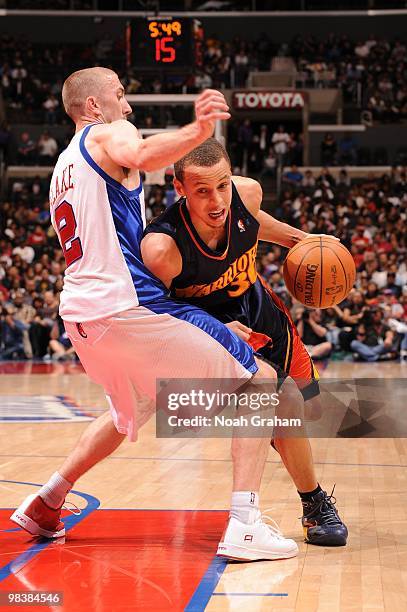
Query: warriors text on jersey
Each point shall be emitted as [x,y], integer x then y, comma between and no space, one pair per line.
[99,224]
[211,278]
[226,284]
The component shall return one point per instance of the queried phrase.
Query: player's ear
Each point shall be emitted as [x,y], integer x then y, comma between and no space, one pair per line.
[179,187]
[92,104]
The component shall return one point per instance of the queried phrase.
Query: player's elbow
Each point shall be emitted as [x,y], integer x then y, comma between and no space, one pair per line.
[155,256]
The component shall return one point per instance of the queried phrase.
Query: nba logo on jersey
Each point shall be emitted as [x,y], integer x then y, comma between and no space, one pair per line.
[241,226]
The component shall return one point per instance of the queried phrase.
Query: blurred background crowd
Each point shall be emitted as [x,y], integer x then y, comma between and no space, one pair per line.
[368,216]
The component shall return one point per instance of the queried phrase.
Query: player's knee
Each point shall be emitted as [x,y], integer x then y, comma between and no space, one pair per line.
[265,370]
[291,404]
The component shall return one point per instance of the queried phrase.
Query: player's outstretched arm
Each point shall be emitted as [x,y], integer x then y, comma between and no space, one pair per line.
[270,230]
[161,256]
[122,142]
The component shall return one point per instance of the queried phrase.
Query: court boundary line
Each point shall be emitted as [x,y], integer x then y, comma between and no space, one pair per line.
[250,594]
[196,459]
[70,521]
[207,585]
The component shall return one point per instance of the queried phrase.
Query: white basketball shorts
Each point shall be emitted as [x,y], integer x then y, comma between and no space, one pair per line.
[126,353]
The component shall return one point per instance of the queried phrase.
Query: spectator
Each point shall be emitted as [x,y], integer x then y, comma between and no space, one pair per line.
[37,238]
[343,180]
[308,182]
[47,149]
[280,140]
[392,286]
[269,164]
[203,80]
[26,150]
[347,150]
[50,106]
[314,334]
[11,335]
[241,68]
[328,150]
[24,250]
[24,313]
[59,345]
[326,179]
[374,341]
[293,176]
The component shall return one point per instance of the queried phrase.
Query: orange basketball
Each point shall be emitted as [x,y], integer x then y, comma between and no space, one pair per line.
[319,272]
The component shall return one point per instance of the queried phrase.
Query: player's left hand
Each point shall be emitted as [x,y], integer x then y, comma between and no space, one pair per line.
[242,331]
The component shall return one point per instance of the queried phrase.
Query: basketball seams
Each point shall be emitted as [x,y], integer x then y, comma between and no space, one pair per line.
[346,278]
[301,244]
[343,268]
[299,268]
[317,241]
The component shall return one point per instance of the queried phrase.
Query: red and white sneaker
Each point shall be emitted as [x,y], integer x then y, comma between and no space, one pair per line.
[36,517]
[255,541]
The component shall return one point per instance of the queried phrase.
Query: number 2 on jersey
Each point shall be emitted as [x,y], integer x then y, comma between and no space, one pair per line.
[66,226]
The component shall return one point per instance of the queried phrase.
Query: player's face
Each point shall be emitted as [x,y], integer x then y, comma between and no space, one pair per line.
[208,191]
[113,103]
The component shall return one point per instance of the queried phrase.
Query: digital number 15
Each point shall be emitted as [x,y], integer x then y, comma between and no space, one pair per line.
[164,53]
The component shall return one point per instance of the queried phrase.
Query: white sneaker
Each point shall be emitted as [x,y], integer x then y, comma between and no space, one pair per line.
[255,541]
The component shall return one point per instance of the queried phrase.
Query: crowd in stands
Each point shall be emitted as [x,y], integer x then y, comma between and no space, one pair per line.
[31,75]
[31,276]
[369,217]
[378,65]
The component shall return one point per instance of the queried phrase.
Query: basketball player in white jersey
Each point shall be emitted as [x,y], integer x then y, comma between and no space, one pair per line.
[124,328]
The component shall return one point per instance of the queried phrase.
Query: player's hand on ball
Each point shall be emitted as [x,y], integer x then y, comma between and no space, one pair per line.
[240,330]
[210,106]
[321,236]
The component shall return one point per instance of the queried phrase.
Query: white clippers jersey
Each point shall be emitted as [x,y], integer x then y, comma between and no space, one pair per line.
[99,224]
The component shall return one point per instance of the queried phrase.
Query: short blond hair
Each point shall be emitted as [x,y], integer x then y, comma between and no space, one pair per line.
[80,85]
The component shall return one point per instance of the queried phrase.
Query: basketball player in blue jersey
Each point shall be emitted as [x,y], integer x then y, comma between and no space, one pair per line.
[204,249]
[125,329]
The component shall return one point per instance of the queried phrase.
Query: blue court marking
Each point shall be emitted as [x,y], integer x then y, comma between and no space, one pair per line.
[66,402]
[73,407]
[70,521]
[189,459]
[250,594]
[206,587]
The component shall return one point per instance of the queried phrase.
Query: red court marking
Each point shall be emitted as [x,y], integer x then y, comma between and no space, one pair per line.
[119,560]
[34,367]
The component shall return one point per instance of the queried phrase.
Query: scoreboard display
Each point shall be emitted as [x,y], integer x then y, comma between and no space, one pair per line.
[161,42]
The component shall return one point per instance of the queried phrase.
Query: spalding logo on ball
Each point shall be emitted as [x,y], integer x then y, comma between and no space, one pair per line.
[319,272]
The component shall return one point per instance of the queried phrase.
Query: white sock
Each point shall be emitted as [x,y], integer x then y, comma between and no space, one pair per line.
[245,506]
[55,490]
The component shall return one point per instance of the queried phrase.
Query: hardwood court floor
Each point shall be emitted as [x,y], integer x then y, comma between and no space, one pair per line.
[150,544]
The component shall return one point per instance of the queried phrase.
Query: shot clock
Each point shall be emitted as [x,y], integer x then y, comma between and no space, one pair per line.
[161,42]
